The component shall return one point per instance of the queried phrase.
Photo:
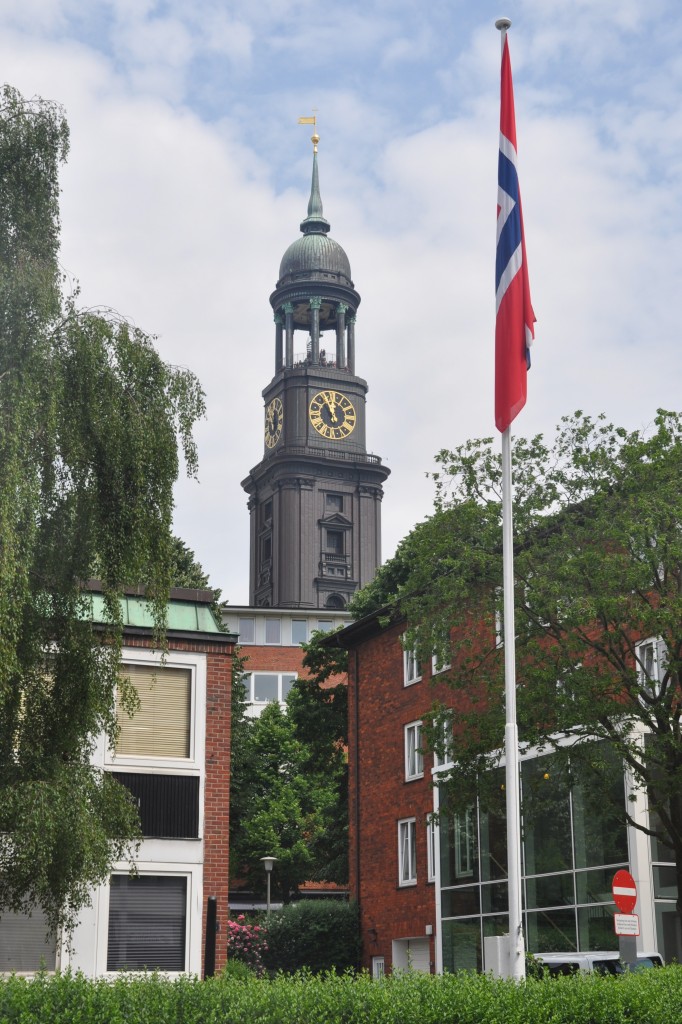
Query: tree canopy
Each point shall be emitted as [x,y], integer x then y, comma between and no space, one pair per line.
[289,785]
[598,570]
[91,422]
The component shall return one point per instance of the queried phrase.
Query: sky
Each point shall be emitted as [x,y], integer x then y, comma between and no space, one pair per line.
[188,177]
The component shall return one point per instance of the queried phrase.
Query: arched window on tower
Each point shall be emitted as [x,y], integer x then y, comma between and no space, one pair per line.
[336,602]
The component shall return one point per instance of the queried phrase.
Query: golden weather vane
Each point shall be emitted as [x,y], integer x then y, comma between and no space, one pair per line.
[314,138]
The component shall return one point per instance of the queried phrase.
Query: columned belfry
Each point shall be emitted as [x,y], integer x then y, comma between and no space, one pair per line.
[315,497]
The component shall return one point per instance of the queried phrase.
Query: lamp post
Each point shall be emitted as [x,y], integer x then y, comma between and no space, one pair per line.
[268,863]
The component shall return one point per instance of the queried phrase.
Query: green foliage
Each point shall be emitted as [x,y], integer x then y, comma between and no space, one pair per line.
[321,935]
[90,419]
[188,572]
[289,781]
[649,997]
[238,970]
[282,811]
[598,567]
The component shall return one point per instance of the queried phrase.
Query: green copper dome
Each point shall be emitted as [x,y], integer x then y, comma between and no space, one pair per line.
[315,253]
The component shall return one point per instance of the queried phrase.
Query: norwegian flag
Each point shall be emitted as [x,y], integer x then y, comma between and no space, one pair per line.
[514,330]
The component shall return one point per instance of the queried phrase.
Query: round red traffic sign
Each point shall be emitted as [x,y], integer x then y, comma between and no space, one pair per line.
[624,890]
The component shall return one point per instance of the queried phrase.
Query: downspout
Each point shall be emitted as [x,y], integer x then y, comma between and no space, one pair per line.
[357,773]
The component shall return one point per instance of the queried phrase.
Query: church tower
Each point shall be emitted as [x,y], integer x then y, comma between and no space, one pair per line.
[315,497]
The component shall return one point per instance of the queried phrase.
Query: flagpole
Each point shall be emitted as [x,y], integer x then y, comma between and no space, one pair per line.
[517,960]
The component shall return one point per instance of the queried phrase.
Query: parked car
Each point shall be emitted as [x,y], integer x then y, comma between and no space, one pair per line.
[600,962]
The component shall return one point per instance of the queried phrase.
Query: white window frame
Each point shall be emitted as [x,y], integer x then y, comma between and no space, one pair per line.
[378,967]
[436,668]
[272,643]
[498,613]
[465,842]
[246,618]
[297,643]
[445,726]
[249,683]
[414,756]
[407,852]
[651,655]
[431,848]
[196,663]
[411,673]
[193,914]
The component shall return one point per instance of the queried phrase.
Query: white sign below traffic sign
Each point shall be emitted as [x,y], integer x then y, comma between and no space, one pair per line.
[626,924]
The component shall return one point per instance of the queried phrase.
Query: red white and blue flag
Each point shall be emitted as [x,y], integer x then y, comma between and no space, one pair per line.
[514,330]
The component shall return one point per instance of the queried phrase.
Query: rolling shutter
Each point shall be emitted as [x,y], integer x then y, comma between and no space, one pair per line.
[147,923]
[23,942]
[161,725]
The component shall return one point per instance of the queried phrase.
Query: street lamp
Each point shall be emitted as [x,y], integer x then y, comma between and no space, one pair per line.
[268,863]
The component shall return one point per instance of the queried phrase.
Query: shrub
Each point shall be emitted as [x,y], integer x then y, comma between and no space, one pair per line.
[236,970]
[246,943]
[647,997]
[322,935]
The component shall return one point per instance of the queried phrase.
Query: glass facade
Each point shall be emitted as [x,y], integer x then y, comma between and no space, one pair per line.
[573,843]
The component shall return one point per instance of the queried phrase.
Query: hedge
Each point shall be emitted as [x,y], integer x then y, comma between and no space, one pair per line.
[321,935]
[648,997]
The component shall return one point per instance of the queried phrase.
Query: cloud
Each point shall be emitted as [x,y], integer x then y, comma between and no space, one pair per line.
[188,179]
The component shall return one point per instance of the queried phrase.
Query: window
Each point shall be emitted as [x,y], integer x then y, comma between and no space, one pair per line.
[442,752]
[438,666]
[652,662]
[160,727]
[273,631]
[266,548]
[247,631]
[407,852]
[168,804]
[263,687]
[334,541]
[147,923]
[410,668]
[334,502]
[499,617]
[431,849]
[464,843]
[440,659]
[24,942]
[299,631]
[378,967]
[414,759]
[324,625]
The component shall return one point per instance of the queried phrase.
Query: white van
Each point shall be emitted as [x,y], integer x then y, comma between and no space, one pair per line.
[600,962]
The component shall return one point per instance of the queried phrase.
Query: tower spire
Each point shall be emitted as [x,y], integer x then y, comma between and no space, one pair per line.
[315,222]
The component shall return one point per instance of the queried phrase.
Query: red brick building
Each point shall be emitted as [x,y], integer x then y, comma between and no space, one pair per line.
[270,643]
[392,841]
[431,897]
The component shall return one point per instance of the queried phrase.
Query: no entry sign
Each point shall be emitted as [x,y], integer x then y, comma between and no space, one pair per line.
[624,890]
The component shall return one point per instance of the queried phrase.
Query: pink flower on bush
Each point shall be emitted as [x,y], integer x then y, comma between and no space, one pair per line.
[246,943]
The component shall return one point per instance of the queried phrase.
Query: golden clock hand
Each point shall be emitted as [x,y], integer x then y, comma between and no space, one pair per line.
[331,405]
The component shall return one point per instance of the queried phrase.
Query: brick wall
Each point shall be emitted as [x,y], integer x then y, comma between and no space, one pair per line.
[379,708]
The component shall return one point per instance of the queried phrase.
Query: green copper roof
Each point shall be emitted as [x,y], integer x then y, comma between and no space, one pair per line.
[315,253]
[182,616]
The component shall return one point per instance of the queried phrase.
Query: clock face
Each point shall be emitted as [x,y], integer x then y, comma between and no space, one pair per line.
[274,420]
[332,415]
